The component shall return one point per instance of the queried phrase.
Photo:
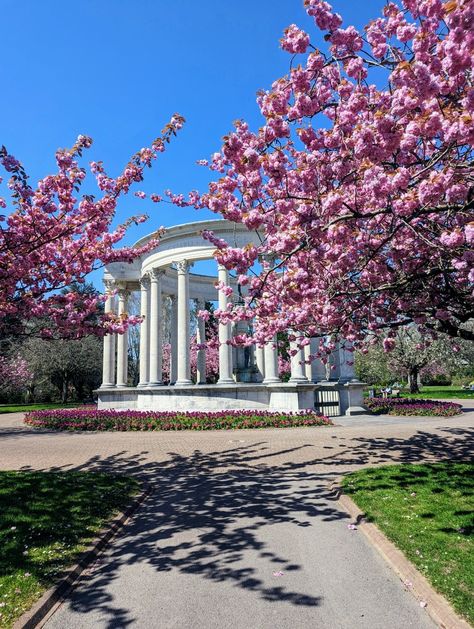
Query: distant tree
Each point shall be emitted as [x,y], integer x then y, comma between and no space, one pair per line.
[71,366]
[15,376]
[372,367]
[412,355]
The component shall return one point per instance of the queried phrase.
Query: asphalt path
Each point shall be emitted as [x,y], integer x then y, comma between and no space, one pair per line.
[240,530]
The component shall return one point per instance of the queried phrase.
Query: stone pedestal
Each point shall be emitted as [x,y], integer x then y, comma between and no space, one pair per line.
[355,398]
[287,396]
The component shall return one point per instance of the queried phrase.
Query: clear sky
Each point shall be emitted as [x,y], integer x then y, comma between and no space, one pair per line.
[118,69]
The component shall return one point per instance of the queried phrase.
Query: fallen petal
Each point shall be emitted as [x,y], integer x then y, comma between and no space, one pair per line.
[352,527]
[278,574]
[423,603]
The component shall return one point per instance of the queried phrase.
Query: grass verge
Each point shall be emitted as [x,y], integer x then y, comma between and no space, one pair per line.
[46,520]
[441,393]
[93,419]
[428,512]
[24,408]
[430,393]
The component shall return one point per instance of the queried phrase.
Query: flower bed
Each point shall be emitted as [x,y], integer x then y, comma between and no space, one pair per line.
[92,419]
[407,406]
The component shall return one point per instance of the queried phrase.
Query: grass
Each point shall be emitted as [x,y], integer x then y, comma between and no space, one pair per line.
[441,393]
[428,512]
[46,520]
[432,393]
[24,408]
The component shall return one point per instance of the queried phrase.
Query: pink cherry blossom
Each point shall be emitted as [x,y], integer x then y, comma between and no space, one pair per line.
[54,236]
[360,181]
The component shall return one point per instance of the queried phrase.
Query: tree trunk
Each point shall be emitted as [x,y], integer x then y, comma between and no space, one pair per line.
[413,380]
[64,390]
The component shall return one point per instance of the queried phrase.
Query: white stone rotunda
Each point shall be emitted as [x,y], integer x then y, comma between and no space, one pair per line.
[247,379]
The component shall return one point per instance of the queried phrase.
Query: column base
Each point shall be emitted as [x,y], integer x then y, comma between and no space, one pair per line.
[153,384]
[226,381]
[356,410]
[270,380]
[183,383]
[297,380]
[107,385]
[140,385]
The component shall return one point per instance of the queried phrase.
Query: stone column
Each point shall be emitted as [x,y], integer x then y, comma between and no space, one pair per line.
[173,339]
[346,371]
[122,342]
[298,371]
[156,340]
[271,361]
[260,360]
[316,371]
[144,331]
[225,334]
[201,339]
[184,366]
[108,363]
[335,362]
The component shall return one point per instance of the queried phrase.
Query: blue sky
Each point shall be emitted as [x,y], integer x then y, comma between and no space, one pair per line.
[118,69]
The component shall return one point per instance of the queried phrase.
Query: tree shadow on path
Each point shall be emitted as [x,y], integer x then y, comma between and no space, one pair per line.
[204,513]
[207,510]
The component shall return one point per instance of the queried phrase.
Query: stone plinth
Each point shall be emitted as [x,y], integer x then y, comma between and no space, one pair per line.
[355,398]
[278,397]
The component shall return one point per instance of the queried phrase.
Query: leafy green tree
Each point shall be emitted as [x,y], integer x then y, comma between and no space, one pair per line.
[70,366]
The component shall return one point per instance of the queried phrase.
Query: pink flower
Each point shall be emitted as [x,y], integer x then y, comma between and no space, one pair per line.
[295,40]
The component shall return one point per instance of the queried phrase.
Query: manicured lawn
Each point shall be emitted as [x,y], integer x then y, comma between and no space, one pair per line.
[428,512]
[46,520]
[441,393]
[24,408]
[432,393]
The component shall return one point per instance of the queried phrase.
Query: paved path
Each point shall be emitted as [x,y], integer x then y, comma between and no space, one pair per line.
[230,509]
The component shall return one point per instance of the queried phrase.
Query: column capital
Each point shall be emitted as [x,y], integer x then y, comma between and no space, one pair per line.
[110,285]
[183,266]
[267,257]
[145,281]
[156,274]
[122,290]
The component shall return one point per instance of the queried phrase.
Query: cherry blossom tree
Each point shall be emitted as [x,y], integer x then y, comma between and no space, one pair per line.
[15,375]
[360,180]
[54,237]
[212,359]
